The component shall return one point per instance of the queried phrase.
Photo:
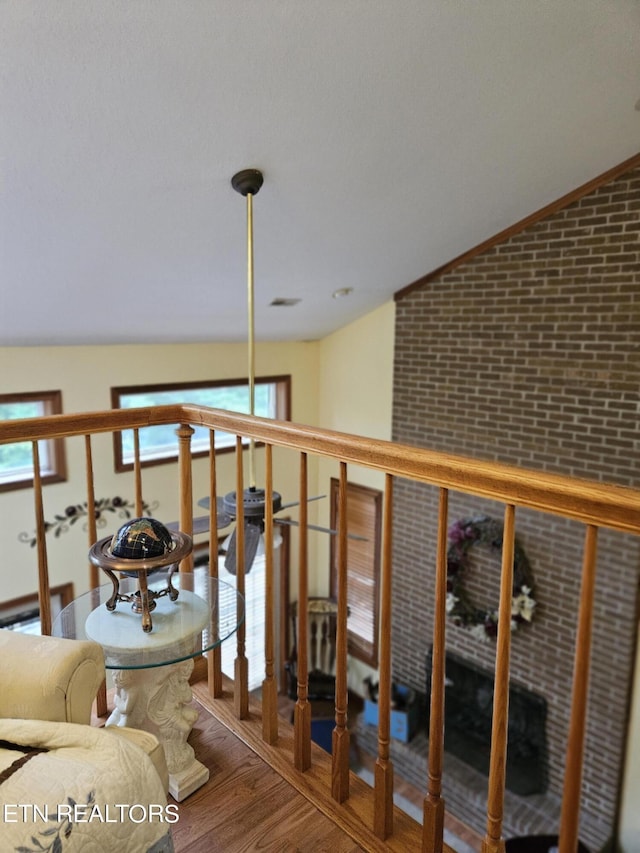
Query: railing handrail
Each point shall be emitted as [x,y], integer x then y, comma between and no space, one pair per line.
[591,503]
[587,501]
[83,423]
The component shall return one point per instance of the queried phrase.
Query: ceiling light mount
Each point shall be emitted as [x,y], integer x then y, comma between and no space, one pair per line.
[247,182]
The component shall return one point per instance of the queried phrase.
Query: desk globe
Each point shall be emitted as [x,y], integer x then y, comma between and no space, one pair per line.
[140,548]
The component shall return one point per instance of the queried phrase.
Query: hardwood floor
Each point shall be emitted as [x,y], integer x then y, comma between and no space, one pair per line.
[245,806]
[354,817]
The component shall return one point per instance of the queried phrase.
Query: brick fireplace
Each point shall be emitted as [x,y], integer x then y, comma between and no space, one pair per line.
[467,725]
[529,353]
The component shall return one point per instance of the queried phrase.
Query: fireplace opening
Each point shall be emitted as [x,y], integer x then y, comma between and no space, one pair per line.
[467,724]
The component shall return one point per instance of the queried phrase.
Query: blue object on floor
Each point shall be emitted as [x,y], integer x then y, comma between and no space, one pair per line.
[321,733]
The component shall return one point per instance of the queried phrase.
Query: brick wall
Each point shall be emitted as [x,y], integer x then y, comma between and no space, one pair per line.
[530,354]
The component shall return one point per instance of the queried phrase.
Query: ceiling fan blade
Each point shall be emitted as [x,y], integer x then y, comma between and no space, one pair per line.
[201,524]
[205,503]
[292,523]
[252,534]
[297,503]
[230,556]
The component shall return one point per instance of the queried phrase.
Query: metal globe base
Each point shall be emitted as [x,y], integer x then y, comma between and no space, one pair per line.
[143,600]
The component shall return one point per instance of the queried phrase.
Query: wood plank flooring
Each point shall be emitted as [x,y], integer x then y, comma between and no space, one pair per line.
[245,806]
[354,816]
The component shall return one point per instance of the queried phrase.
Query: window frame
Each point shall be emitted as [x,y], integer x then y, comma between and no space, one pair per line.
[27,606]
[358,646]
[283,411]
[56,453]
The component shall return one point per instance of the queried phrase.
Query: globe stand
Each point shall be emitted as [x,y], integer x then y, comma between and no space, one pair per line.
[143,600]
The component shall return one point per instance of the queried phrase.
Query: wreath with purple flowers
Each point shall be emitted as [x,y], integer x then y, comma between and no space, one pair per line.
[463,536]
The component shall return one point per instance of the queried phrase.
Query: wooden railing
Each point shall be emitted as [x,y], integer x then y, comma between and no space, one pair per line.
[593,504]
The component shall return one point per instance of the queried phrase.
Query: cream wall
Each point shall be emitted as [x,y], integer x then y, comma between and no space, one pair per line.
[355,390]
[355,396]
[343,382]
[85,376]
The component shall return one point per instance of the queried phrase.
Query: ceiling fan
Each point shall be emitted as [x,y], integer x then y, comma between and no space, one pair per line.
[254,499]
[253,504]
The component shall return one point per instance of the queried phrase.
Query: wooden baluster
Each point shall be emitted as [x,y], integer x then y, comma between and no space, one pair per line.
[302,710]
[340,742]
[433,822]
[92,528]
[184,433]
[214,657]
[137,481]
[570,814]
[44,598]
[493,841]
[137,474]
[241,666]
[269,684]
[383,795]
[94,581]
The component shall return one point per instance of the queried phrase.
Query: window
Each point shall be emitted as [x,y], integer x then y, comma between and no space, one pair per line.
[159,444]
[23,614]
[364,519]
[16,460]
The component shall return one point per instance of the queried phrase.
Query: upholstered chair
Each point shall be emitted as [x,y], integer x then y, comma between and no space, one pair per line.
[48,678]
[50,756]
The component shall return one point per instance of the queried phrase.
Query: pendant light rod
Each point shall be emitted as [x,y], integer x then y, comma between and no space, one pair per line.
[248,183]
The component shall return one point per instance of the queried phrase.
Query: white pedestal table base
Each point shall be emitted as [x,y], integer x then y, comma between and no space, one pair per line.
[154,697]
[158,700]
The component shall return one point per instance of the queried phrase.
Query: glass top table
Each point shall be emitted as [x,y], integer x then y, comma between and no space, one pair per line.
[205,613]
[151,669]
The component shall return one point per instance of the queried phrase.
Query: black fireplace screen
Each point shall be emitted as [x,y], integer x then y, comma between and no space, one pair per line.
[468,714]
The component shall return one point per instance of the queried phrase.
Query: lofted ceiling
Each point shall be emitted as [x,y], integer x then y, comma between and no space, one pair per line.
[393,136]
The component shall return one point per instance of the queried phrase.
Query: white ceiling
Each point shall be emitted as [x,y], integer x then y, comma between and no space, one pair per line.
[393,135]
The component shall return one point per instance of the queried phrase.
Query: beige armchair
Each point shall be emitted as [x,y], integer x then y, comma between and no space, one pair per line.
[48,678]
[50,757]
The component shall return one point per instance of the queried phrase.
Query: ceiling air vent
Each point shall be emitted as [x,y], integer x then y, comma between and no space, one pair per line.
[282,302]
